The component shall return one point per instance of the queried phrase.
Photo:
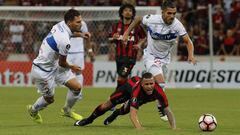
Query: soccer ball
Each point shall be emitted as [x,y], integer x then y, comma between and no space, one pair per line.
[207,122]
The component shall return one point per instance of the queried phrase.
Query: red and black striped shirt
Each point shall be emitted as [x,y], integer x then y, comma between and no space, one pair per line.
[139,97]
[134,36]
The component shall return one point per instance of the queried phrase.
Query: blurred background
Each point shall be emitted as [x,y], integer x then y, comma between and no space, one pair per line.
[25,23]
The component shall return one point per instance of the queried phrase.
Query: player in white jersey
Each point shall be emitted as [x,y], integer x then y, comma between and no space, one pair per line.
[76,53]
[163,31]
[51,67]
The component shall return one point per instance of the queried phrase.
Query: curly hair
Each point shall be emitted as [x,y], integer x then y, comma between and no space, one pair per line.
[127,6]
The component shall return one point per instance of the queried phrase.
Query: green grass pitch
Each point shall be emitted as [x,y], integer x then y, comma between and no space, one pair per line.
[187,105]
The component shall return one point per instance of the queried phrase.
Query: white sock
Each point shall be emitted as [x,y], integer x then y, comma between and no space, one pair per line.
[40,104]
[71,99]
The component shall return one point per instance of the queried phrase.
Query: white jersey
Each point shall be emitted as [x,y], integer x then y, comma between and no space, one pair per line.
[162,37]
[57,42]
[77,42]
[76,52]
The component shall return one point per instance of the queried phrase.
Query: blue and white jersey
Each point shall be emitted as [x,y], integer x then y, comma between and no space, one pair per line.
[56,43]
[76,52]
[162,37]
[77,45]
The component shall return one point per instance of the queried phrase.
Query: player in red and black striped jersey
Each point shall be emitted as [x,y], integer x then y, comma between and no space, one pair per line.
[126,55]
[134,93]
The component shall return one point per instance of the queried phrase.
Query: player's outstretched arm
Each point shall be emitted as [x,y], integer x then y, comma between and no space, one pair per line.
[171,117]
[134,118]
[141,44]
[134,24]
[190,48]
[89,48]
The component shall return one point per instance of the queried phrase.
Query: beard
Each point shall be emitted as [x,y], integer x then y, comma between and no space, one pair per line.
[127,18]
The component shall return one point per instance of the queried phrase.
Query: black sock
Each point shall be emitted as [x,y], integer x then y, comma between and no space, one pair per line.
[97,112]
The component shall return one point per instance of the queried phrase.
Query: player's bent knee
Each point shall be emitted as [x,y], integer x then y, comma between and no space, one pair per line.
[73,84]
[107,105]
[76,88]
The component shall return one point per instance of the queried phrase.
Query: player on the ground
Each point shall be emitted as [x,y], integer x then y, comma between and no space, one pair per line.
[163,31]
[134,93]
[51,67]
[126,56]
[76,56]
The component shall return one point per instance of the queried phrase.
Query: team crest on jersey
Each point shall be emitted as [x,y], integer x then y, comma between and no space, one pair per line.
[68,47]
[148,16]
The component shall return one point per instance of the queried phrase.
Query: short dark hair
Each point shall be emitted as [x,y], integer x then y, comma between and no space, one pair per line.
[126,6]
[147,75]
[70,15]
[168,4]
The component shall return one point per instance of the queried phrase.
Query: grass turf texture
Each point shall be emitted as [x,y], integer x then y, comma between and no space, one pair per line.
[187,106]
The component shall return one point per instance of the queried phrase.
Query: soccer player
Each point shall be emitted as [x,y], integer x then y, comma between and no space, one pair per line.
[134,93]
[51,67]
[75,56]
[163,31]
[126,56]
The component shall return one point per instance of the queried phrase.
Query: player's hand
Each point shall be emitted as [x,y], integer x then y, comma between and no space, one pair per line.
[115,36]
[91,56]
[136,46]
[86,35]
[75,69]
[192,60]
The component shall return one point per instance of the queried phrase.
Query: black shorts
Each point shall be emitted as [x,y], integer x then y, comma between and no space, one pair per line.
[124,66]
[120,95]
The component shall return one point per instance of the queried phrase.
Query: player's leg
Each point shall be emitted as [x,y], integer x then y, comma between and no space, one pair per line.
[124,109]
[99,110]
[159,78]
[154,66]
[116,97]
[123,72]
[71,99]
[74,94]
[46,89]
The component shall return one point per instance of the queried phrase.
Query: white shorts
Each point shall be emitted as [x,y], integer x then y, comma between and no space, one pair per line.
[46,81]
[154,64]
